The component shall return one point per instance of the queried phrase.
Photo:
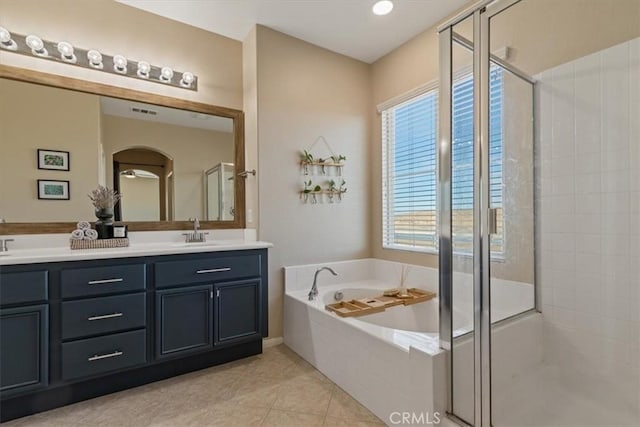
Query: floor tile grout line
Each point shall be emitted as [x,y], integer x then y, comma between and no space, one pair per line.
[326,414]
[270,408]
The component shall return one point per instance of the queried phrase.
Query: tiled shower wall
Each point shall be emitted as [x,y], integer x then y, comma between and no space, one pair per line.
[588,197]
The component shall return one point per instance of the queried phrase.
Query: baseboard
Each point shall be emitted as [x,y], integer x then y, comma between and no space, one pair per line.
[272,342]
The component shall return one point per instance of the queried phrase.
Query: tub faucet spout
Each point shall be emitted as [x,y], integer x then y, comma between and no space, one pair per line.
[314,289]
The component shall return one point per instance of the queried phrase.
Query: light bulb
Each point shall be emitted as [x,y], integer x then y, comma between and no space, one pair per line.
[166,74]
[37,45]
[383,7]
[95,58]
[5,35]
[120,64]
[187,79]
[5,40]
[66,52]
[143,69]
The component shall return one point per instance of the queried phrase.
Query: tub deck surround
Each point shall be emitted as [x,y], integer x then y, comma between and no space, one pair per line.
[30,249]
[392,361]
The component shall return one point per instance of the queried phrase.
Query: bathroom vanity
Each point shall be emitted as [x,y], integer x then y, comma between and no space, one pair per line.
[80,327]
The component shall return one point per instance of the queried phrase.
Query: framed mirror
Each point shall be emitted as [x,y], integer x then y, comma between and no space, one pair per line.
[171,159]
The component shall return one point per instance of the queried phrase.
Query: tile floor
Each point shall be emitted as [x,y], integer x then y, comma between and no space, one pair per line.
[276,388]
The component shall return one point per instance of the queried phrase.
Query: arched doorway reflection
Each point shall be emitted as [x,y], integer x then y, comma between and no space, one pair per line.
[143,178]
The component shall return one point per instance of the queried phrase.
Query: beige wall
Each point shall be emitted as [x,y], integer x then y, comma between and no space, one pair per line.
[31,118]
[304,91]
[541,33]
[193,151]
[250,103]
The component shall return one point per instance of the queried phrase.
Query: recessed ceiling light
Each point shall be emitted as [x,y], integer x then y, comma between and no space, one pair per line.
[383,7]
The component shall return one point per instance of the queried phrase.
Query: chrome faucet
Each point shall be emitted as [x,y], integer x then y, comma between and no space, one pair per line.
[3,245]
[314,288]
[197,236]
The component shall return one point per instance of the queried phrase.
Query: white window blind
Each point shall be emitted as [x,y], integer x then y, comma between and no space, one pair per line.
[409,132]
[409,173]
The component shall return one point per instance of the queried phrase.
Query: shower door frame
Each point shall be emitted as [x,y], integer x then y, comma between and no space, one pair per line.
[481,11]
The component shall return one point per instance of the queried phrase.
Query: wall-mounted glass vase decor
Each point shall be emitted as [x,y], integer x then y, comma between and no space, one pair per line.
[313,165]
[316,194]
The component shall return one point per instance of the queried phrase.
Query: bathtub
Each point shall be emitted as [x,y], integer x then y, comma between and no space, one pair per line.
[391,361]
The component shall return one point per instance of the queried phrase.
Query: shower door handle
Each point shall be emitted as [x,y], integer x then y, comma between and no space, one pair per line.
[493,221]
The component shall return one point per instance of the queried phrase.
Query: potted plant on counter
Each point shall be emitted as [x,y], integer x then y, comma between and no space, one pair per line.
[104,200]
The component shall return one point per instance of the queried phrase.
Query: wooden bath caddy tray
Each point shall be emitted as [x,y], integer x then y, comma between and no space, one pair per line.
[377,304]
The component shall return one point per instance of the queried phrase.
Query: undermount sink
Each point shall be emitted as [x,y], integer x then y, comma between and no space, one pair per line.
[195,244]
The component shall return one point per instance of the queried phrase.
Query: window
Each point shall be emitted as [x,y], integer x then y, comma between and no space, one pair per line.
[409,199]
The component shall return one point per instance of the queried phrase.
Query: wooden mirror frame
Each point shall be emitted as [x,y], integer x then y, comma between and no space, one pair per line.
[37,77]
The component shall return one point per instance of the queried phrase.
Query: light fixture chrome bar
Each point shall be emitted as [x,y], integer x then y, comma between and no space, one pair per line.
[445,260]
[464,42]
[182,80]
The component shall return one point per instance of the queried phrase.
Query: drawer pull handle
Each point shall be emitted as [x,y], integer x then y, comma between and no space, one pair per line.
[213,270]
[104,316]
[105,356]
[100,282]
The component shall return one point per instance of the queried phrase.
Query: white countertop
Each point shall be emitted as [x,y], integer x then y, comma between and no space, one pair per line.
[55,248]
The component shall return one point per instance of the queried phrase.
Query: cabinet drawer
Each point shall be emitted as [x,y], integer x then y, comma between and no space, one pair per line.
[102,280]
[174,273]
[98,355]
[26,287]
[103,315]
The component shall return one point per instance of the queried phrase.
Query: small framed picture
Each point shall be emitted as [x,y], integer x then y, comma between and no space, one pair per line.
[53,190]
[53,160]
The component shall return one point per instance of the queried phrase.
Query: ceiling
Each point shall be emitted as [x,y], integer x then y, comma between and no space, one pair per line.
[160,114]
[348,27]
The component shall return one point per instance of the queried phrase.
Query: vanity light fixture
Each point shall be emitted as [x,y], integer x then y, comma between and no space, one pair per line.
[166,74]
[65,52]
[143,69]
[6,42]
[383,7]
[95,59]
[37,45]
[120,64]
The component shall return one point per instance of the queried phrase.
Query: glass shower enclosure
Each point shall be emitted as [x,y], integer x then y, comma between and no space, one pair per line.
[539,206]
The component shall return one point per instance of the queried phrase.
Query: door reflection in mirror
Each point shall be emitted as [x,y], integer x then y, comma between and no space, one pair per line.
[219,186]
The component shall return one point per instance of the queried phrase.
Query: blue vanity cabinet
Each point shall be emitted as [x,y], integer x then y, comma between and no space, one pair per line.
[238,311]
[184,320]
[207,301]
[75,330]
[24,332]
